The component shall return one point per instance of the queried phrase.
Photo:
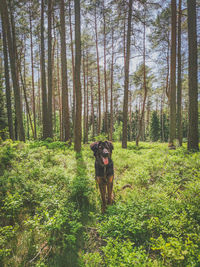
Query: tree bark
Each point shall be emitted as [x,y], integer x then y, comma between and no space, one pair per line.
[33,82]
[193,138]
[65,104]
[172,126]
[50,78]
[105,72]
[141,120]
[72,54]
[7,83]
[43,77]
[98,73]
[59,94]
[111,88]
[78,127]
[13,65]
[179,82]
[126,81]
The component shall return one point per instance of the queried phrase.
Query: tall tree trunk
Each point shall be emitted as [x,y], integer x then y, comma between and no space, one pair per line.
[105,72]
[72,54]
[193,138]
[111,88]
[65,105]
[92,106]
[172,126]
[33,82]
[25,96]
[50,78]
[167,89]
[78,127]
[7,82]
[13,65]
[98,73]
[141,119]
[59,94]
[43,77]
[126,81]
[179,82]
[85,101]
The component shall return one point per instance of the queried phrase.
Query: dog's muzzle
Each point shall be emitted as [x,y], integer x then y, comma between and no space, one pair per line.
[105,155]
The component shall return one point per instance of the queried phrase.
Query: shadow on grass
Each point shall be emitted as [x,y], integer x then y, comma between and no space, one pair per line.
[81,189]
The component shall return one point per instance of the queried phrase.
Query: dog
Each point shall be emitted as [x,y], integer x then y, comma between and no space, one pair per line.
[104,171]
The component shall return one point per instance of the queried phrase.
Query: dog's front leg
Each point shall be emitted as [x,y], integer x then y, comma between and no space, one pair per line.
[110,189]
[102,188]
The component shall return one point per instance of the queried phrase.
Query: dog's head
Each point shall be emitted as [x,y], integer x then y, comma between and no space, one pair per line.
[102,151]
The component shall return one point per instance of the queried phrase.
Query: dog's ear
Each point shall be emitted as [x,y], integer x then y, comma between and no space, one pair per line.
[110,146]
[94,146]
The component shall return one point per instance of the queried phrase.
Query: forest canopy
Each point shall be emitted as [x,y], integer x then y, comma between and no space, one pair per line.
[74,71]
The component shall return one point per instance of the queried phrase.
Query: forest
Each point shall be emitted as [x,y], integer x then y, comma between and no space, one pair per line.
[76,72]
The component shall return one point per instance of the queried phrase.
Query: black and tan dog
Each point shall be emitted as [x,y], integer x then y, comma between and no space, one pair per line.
[104,172]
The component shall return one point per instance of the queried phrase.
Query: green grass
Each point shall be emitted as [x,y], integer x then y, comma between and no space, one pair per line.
[50,207]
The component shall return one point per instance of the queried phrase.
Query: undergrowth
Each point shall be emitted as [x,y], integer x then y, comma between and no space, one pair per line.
[50,207]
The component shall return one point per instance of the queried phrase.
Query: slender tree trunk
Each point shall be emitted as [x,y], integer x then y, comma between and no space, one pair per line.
[85,101]
[111,88]
[167,89]
[126,82]
[172,126]
[72,54]
[105,73]
[54,78]
[98,73]
[7,82]
[39,97]
[141,120]
[65,104]
[43,77]
[50,78]
[78,128]
[33,82]
[92,106]
[59,94]
[179,82]
[13,65]
[193,138]
[130,116]
[25,97]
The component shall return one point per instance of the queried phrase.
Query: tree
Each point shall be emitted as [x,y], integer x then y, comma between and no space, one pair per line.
[7,83]
[144,81]
[193,138]
[32,69]
[179,82]
[43,77]
[172,98]
[65,105]
[50,76]
[78,115]
[13,64]
[126,80]
[3,122]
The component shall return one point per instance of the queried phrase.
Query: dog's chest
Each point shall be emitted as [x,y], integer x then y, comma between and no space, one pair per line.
[101,171]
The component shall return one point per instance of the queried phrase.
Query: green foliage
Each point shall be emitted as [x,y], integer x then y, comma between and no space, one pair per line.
[50,206]
[154,127]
